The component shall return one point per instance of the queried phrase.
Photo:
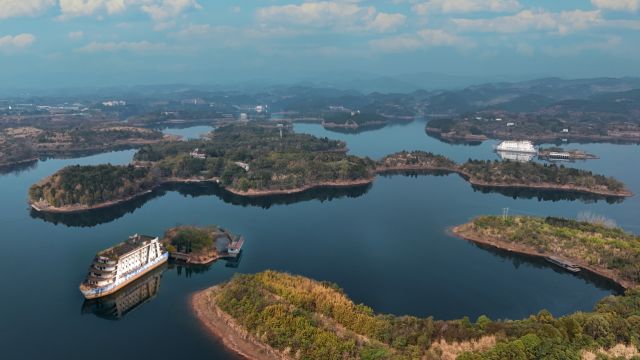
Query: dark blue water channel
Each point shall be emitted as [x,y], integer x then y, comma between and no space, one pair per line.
[385,244]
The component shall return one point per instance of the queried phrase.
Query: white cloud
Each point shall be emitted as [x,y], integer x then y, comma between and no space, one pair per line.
[466,6]
[158,10]
[384,22]
[139,47]
[75,35]
[73,8]
[14,8]
[168,9]
[425,38]
[534,20]
[338,15]
[617,5]
[17,42]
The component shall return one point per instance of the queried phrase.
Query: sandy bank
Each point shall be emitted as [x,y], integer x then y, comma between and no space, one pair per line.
[222,326]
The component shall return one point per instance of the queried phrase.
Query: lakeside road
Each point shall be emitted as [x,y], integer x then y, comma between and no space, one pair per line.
[466,232]
[223,327]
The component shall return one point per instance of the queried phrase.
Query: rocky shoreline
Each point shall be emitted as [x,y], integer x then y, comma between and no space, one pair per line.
[466,232]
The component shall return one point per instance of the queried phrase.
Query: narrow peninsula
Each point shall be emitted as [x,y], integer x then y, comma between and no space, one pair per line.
[272,315]
[25,144]
[262,159]
[607,251]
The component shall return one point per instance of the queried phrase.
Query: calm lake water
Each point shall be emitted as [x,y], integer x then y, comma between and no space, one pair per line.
[385,244]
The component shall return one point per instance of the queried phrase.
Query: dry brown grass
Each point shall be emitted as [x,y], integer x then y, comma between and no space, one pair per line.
[620,350]
[450,351]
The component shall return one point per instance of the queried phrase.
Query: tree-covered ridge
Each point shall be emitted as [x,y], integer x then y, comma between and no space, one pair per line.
[240,157]
[259,159]
[349,118]
[90,185]
[416,160]
[511,172]
[307,319]
[506,173]
[191,239]
[273,162]
[596,245]
[549,124]
[25,143]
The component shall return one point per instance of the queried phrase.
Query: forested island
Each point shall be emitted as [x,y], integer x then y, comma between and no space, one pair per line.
[249,160]
[538,127]
[272,315]
[509,174]
[593,245]
[196,245]
[25,144]
[260,160]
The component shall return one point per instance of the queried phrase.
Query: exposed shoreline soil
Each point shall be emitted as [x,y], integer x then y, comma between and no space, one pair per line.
[335,184]
[222,326]
[466,232]
[43,207]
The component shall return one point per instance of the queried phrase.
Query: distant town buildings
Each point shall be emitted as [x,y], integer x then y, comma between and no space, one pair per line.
[195,101]
[197,154]
[243,165]
[113,103]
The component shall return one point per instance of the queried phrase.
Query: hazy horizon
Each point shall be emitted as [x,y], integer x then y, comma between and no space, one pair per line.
[70,43]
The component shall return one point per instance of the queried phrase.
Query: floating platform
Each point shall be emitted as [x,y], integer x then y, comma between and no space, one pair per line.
[563,264]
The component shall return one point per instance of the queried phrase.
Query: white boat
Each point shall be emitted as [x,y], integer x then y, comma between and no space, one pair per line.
[114,268]
[520,146]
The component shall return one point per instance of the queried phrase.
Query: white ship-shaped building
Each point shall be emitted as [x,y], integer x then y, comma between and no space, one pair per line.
[114,268]
[521,146]
[115,306]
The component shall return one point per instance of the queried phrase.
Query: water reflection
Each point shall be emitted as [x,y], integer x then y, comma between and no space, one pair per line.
[97,216]
[517,259]
[358,130]
[517,193]
[438,136]
[105,215]
[115,306]
[17,169]
[548,195]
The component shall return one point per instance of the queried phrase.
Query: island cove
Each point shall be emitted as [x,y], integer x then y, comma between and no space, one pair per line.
[260,159]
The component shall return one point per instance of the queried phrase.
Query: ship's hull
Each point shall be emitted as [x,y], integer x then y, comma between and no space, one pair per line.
[97,292]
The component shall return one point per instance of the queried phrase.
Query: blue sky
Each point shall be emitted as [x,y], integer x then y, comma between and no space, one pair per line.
[57,43]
